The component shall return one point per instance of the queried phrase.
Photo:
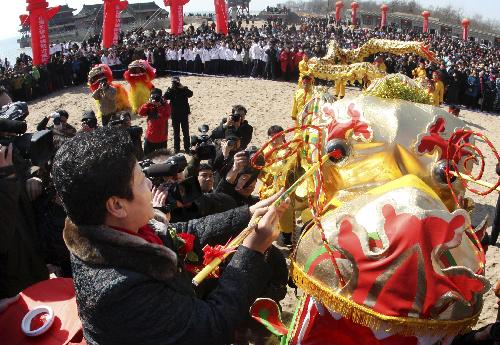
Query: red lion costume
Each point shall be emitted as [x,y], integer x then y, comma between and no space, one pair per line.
[100,72]
[139,75]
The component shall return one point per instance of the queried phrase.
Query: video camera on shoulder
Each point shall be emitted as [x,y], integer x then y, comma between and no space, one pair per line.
[37,147]
[204,146]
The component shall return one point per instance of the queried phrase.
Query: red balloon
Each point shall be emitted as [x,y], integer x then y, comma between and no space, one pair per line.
[383,21]
[38,18]
[426,15]
[221,16]
[354,15]
[176,15]
[465,29]
[111,22]
[338,9]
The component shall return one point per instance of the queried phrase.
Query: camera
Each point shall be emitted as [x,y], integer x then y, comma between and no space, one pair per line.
[170,168]
[157,98]
[251,151]
[205,148]
[37,147]
[91,122]
[17,111]
[235,117]
[57,120]
[184,192]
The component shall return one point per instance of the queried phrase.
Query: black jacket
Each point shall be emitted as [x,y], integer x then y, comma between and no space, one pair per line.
[206,205]
[132,292]
[245,132]
[179,102]
[21,260]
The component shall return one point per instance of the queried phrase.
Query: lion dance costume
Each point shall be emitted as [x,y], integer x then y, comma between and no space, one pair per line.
[99,72]
[389,255]
[139,75]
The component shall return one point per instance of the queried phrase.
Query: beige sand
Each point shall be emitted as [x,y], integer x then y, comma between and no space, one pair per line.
[269,103]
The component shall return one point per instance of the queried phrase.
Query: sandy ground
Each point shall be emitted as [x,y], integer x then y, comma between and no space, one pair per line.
[269,103]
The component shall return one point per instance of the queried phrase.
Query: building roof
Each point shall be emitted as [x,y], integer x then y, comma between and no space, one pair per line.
[143,6]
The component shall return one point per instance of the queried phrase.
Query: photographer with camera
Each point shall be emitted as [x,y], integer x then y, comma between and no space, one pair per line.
[129,272]
[179,95]
[60,128]
[157,112]
[88,122]
[202,149]
[224,158]
[123,119]
[20,253]
[186,199]
[241,179]
[106,97]
[238,123]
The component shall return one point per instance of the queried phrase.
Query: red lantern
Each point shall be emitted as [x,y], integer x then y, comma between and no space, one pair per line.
[176,15]
[38,20]
[338,9]
[354,15]
[111,22]
[383,21]
[465,26]
[221,16]
[426,15]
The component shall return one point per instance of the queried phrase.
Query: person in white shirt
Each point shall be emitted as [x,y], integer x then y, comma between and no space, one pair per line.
[198,60]
[172,62]
[104,59]
[222,59]
[238,55]
[229,59]
[181,58]
[206,58]
[189,57]
[256,55]
[214,57]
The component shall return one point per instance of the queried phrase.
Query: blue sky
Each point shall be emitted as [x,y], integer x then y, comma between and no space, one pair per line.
[9,16]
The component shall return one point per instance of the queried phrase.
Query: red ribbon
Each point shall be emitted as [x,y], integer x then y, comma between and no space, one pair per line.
[218,252]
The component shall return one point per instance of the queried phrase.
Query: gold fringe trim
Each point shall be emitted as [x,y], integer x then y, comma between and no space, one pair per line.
[365,316]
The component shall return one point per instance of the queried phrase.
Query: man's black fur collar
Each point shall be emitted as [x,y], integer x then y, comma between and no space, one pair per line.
[101,245]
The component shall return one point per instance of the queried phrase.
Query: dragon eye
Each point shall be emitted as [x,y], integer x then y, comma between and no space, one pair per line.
[338,150]
[439,172]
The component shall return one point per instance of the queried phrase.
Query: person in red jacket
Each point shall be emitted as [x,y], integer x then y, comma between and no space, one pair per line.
[158,112]
[285,63]
[297,58]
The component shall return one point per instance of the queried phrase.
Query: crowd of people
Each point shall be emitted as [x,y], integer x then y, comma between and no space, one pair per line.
[274,50]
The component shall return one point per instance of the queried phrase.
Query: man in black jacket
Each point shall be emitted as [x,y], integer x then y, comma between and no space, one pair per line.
[129,276]
[179,95]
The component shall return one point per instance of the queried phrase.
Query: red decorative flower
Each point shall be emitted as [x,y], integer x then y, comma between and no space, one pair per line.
[353,122]
[436,139]
[188,246]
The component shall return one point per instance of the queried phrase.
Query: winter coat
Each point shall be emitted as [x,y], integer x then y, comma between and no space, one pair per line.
[21,260]
[179,102]
[130,291]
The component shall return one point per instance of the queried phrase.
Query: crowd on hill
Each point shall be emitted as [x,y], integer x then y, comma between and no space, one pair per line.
[273,50]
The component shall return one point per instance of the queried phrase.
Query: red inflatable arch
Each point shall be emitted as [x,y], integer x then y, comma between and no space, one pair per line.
[38,18]
[177,15]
